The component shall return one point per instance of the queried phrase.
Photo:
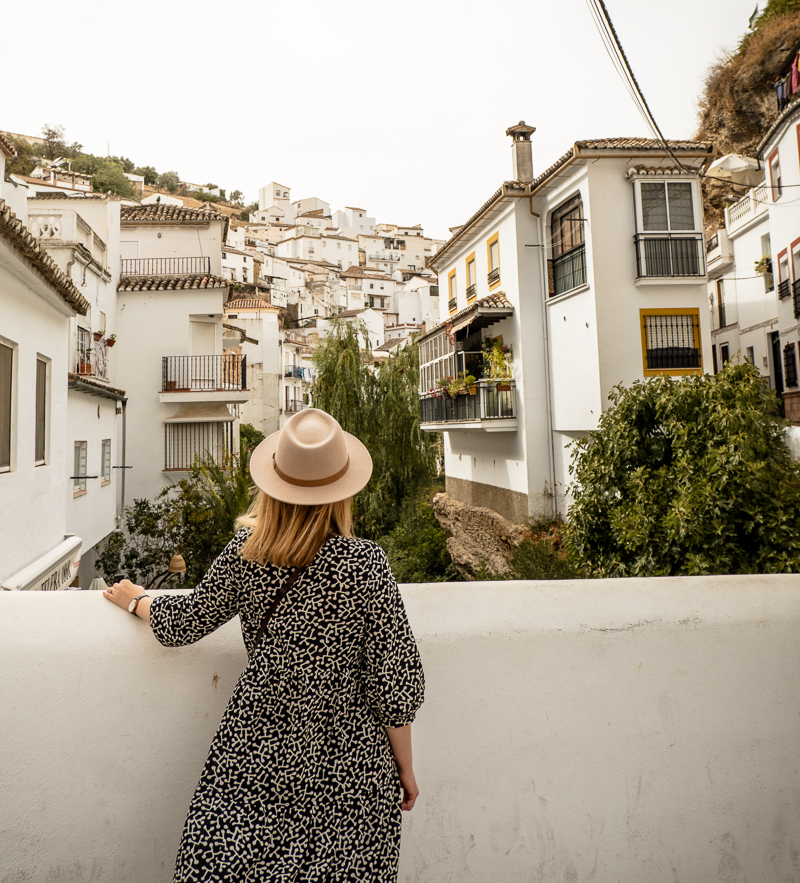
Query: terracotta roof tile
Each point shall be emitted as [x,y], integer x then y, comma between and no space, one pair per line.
[6,146]
[20,238]
[497,301]
[791,110]
[170,283]
[160,213]
[250,303]
[641,144]
[82,380]
[389,345]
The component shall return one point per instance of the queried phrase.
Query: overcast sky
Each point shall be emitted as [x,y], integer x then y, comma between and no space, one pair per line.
[400,108]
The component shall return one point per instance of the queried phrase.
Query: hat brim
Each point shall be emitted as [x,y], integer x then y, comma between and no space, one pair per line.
[262,469]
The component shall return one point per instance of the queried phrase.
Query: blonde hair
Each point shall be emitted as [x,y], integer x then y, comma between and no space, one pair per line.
[289,535]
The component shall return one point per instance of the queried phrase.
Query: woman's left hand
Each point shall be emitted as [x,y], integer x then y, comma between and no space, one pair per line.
[123,593]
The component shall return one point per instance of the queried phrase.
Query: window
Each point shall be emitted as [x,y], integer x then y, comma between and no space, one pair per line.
[105,461]
[766,252]
[79,471]
[6,366]
[724,354]
[185,442]
[437,359]
[493,259]
[670,341]
[721,303]
[84,354]
[452,303]
[775,176]
[472,278]
[569,247]
[783,275]
[751,355]
[667,241]
[41,412]
[789,365]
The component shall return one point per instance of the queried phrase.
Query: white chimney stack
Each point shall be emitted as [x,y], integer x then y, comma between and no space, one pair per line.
[521,153]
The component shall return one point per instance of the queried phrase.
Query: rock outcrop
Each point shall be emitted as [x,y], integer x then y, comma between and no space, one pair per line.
[478,537]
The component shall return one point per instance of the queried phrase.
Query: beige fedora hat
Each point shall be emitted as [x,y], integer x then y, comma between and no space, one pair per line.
[311,461]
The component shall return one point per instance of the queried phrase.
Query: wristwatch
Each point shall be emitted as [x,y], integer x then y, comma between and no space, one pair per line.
[135,603]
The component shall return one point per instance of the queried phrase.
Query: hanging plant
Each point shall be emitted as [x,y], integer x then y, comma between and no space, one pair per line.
[764,266]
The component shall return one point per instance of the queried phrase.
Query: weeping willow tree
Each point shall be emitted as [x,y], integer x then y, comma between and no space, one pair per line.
[380,406]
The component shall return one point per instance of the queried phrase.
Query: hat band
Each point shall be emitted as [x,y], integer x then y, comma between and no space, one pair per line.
[317,482]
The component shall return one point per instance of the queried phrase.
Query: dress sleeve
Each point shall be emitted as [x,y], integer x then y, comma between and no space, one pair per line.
[394,681]
[183,619]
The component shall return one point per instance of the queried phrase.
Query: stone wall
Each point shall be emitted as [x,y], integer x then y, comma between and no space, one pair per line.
[512,505]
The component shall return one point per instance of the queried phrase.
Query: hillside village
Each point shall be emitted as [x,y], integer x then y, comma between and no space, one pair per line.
[164,322]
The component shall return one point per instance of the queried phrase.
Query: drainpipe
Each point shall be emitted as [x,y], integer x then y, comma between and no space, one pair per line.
[545,329]
[124,460]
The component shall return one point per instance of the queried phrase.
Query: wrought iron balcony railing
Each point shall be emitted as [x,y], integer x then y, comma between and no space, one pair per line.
[472,291]
[188,266]
[203,373]
[796,298]
[493,275]
[783,289]
[492,400]
[669,255]
[293,405]
[452,304]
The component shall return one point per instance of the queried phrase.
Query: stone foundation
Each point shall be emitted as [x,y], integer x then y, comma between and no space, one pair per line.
[512,505]
[479,537]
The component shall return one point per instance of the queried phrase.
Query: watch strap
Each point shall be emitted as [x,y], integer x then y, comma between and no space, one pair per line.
[136,601]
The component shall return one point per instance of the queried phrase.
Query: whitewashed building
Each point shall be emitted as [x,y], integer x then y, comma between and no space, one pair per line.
[38,303]
[593,273]
[183,387]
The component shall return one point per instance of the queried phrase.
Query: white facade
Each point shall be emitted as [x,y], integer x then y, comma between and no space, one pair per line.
[581,314]
[354,222]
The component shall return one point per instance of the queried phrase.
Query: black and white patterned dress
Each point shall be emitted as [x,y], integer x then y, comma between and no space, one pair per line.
[300,783]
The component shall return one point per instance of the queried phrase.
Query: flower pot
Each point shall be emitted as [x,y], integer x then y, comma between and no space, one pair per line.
[98,335]
[84,367]
[171,384]
[110,342]
[462,392]
[503,387]
[473,389]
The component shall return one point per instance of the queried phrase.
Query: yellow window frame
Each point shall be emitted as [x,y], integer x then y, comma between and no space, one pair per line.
[452,290]
[489,243]
[471,260]
[670,311]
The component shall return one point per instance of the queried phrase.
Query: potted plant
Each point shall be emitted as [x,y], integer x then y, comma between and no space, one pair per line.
[98,336]
[497,360]
[458,384]
[111,340]
[85,360]
[443,383]
[764,266]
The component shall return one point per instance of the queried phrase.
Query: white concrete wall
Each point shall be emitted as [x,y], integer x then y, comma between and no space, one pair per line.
[178,240]
[634,730]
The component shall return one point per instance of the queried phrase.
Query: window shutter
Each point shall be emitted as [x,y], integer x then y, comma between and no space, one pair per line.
[6,363]
[41,409]
[494,255]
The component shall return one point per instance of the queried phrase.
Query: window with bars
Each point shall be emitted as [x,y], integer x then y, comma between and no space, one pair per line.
[472,278]
[569,246]
[105,461]
[668,242]
[6,366]
[789,365]
[493,257]
[184,443]
[671,341]
[452,302]
[79,471]
[41,412]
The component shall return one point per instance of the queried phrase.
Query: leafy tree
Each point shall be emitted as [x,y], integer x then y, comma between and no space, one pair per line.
[381,408]
[417,546]
[237,196]
[25,161]
[108,174]
[149,174]
[127,164]
[250,437]
[169,181]
[688,476]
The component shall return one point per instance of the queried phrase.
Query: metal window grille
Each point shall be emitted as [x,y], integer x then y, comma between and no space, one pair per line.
[6,365]
[672,341]
[84,351]
[106,459]
[569,270]
[185,443]
[41,410]
[669,255]
[796,298]
[783,289]
[789,365]
[79,474]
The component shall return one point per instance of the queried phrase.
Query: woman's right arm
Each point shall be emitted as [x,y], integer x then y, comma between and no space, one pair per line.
[400,740]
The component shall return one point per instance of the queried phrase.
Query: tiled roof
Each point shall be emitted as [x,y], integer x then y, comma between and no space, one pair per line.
[170,283]
[355,272]
[250,303]
[349,314]
[6,146]
[654,170]
[592,144]
[111,392]
[641,144]
[69,194]
[496,301]
[21,240]
[779,121]
[161,213]
[231,250]
[389,345]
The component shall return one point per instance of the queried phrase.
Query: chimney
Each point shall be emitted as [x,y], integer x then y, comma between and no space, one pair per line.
[521,154]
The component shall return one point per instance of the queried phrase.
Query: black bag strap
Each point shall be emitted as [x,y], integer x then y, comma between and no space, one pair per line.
[277,600]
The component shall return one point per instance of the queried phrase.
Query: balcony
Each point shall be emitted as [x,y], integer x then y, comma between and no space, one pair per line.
[472,291]
[184,266]
[294,405]
[493,276]
[783,289]
[451,304]
[492,407]
[749,207]
[91,359]
[669,255]
[204,378]
[796,298]
[384,257]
